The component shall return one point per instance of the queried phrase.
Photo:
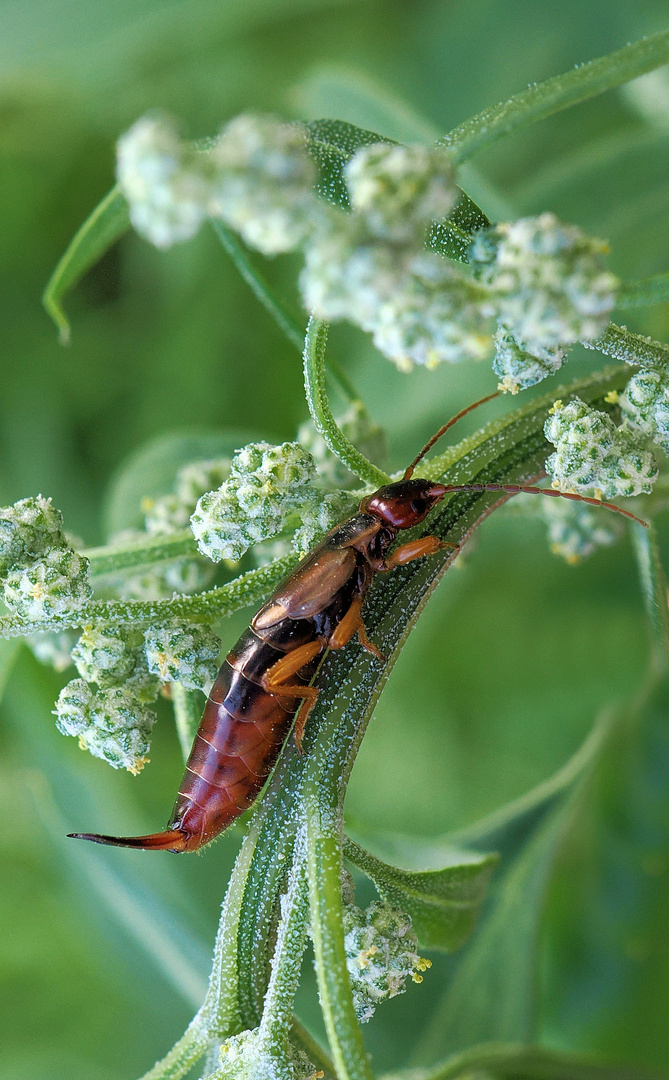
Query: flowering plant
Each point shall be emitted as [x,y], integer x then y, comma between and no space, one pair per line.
[390,243]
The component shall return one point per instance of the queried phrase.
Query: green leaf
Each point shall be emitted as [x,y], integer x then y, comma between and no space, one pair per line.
[8,653]
[494,991]
[560,92]
[654,588]
[443,904]
[151,470]
[648,291]
[334,142]
[107,224]
[509,1061]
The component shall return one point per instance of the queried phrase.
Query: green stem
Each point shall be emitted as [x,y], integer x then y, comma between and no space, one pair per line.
[327,929]
[264,293]
[291,940]
[560,92]
[204,607]
[321,414]
[621,344]
[511,1061]
[643,293]
[187,705]
[111,559]
[654,587]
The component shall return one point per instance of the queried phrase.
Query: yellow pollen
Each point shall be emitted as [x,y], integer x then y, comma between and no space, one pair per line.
[422,964]
[416,978]
[612,398]
[365,955]
[138,766]
[557,405]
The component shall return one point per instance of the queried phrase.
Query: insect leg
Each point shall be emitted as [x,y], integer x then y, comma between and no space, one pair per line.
[352,623]
[416,549]
[274,682]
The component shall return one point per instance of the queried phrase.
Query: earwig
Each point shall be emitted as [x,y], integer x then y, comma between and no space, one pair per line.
[262,689]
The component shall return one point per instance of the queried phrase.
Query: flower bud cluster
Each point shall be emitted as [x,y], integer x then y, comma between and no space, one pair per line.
[576,530]
[266,485]
[517,368]
[248,1056]
[188,655]
[372,267]
[166,514]
[360,430]
[116,657]
[109,723]
[53,648]
[548,281]
[165,180]
[257,176]
[264,182]
[594,456]
[381,951]
[319,517]
[43,576]
[645,406]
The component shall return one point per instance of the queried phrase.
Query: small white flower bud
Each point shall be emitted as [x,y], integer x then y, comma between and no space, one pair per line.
[169,513]
[264,185]
[576,530]
[248,1056]
[188,655]
[400,190]
[52,586]
[166,181]
[319,517]
[419,308]
[518,368]
[53,648]
[266,484]
[111,723]
[547,280]
[593,455]
[29,529]
[115,657]
[381,951]
[645,406]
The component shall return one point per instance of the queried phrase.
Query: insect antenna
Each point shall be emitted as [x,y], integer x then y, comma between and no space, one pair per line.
[515,489]
[442,431]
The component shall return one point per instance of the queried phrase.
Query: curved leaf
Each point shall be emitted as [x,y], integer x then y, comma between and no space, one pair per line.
[443,904]
[512,1061]
[107,224]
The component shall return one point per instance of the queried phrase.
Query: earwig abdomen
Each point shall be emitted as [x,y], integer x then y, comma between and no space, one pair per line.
[239,739]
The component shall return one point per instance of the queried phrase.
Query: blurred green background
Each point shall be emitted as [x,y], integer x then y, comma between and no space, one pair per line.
[516,654]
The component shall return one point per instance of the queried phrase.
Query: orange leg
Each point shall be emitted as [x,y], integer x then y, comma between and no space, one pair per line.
[416,549]
[274,682]
[352,623]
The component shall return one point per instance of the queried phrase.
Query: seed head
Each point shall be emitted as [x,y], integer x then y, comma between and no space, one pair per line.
[645,406]
[111,723]
[188,655]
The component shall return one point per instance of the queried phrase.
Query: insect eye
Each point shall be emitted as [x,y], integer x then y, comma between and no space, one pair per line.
[418,506]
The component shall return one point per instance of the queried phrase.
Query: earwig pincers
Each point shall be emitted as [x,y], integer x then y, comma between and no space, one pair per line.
[262,686]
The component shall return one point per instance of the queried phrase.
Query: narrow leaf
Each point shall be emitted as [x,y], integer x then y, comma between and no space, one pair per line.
[107,224]
[643,293]
[560,92]
[443,904]
[493,993]
[510,1061]
[654,587]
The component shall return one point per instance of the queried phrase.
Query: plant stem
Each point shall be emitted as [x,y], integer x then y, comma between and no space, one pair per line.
[203,607]
[560,92]
[321,414]
[263,292]
[654,587]
[115,557]
[327,929]
[187,705]
[291,942]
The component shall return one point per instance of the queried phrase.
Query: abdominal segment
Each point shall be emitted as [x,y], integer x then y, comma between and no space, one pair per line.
[239,739]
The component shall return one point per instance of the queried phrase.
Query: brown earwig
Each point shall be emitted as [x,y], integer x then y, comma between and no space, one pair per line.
[262,686]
